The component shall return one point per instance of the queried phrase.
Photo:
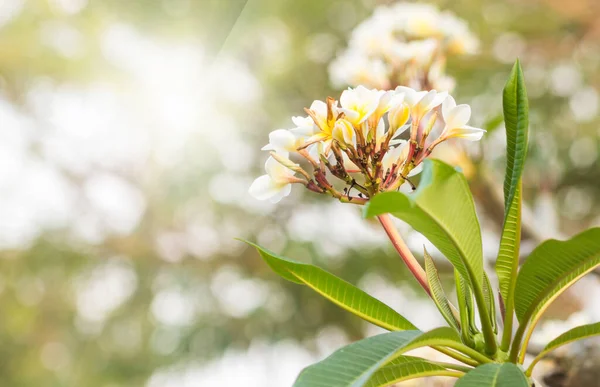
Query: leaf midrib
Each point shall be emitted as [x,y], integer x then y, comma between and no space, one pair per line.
[355,311]
[536,304]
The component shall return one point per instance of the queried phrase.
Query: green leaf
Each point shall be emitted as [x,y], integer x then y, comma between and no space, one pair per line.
[467,310]
[570,336]
[516,117]
[406,368]
[488,294]
[356,363]
[336,290]
[507,263]
[437,292]
[551,268]
[442,209]
[494,375]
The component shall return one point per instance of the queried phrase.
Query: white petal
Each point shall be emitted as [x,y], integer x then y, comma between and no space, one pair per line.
[343,131]
[385,101]
[391,157]
[439,99]
[319,107]
[362,91]
[411,96]
[302,121]
[416,170]
[380,131]
[397,99]
[283,192]
[282,139]
[448,104]
[277,172]
[304,131]
[313,151]
[348,164]
[427,100]
[264,188]
[348,98]
[351,115]
[467,132]
[458,117]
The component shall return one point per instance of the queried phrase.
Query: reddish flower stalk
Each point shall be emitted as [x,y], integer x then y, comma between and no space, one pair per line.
[405,253]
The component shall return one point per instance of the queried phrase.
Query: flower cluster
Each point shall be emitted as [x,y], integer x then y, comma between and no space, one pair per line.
[403,44]
[356,140]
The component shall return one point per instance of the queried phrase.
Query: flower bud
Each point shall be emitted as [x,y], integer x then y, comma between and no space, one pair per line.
[343,133]
[430,125]
[289,164]
[398,116]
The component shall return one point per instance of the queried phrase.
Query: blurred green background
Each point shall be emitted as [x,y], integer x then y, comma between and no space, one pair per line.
[130,131]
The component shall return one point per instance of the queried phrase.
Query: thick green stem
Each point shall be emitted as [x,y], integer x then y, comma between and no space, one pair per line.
[491,346]
[453,366]
[516,343]
[457,356]
[479,357]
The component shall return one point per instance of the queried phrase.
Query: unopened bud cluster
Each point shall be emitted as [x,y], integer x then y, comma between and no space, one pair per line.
[352,145]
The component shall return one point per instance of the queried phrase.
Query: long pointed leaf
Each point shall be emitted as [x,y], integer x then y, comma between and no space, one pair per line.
[516,117]
[355,364]
[336,290]
[437,292]
[406,368]
[570,336]
[494,375]
[550,269]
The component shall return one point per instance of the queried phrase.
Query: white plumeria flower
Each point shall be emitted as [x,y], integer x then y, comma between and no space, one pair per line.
[283,142]
[354,68]
[424,22]
[359,103]
[421,102]
[456,118]
[374,35]
[275,185]
[422,51]
[400,40]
